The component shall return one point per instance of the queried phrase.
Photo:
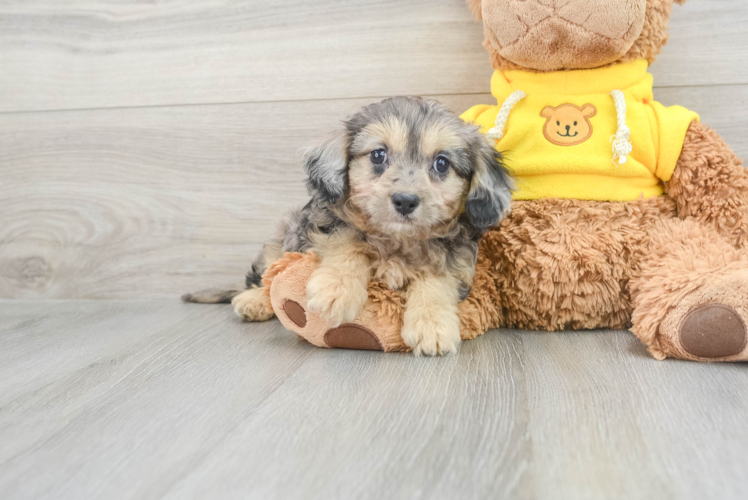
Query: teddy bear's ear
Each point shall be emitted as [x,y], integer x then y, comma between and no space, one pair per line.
[476,7]
[680,2]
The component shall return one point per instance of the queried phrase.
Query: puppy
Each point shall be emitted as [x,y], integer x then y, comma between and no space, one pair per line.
[402,194]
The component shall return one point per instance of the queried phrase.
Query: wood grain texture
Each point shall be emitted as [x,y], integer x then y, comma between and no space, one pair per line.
[157,399]
[107,53]
[706,40]
[174,184]
[154,202]
[94,53]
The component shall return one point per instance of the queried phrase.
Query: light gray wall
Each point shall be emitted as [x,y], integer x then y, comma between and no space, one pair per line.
[147,148]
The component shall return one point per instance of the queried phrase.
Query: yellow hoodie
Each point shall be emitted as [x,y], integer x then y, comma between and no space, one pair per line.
[558,132]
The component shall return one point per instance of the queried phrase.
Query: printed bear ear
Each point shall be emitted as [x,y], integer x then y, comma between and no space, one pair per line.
[680,2]
[547,111]
[588,110]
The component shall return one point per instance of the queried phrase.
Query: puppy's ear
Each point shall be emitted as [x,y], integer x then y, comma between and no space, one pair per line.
[491,188]
[326,167]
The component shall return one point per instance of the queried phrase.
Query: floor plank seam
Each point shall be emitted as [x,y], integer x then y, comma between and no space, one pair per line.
[291,101]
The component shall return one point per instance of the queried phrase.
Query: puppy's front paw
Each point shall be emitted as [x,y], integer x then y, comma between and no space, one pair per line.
[252,305]
[337,299]
[431,331]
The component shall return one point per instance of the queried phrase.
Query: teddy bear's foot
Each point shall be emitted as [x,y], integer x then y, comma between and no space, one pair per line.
[345,336]
[691,301]
[377,326]
[352,336]
[707,323]
[713,331]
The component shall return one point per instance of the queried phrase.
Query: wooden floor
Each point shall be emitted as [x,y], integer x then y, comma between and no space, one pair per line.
[146,150]
[157,399]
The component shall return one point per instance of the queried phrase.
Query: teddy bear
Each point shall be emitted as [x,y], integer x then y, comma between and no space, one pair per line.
[627,214]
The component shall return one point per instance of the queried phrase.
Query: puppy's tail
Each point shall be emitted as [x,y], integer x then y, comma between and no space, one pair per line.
[217,296]
[211,296]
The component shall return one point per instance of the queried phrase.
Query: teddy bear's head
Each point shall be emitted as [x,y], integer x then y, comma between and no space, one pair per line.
[552,35]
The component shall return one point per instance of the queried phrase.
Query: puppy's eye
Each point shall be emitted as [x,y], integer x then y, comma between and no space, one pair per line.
[441,165]
[378,156]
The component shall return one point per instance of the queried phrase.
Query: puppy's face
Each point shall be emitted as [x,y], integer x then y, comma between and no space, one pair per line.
[406,177]
[409,166]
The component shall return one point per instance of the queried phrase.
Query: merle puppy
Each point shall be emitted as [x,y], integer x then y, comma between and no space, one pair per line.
[401,194]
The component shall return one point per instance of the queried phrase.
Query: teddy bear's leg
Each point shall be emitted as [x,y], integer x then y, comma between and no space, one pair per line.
[710,184]
[377,326]
[691,296]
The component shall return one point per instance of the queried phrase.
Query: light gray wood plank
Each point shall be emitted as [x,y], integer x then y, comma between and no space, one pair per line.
[98,53]
[612,409]
[155,202]
[94,53]
[160,399]
[152,201]
[721,107]
[66,383]
[384,427]
[707,45]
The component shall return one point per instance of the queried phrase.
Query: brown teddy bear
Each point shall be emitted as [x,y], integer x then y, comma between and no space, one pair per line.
[627,214]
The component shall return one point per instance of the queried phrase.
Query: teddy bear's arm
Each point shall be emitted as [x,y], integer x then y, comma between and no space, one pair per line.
[710,184]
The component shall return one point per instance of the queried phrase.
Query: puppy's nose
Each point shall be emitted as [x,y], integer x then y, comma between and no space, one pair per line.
[405,203]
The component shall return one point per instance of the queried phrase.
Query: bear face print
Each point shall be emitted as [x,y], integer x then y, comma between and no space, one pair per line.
[568,124]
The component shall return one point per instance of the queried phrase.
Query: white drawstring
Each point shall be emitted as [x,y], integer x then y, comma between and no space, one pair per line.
[622,147]
[497,132]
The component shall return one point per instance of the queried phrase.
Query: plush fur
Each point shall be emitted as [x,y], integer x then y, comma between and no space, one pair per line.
[590,34]
[556,264]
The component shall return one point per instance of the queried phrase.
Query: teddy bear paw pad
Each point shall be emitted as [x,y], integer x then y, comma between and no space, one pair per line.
[295,313]
[350,336]
[713,331]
